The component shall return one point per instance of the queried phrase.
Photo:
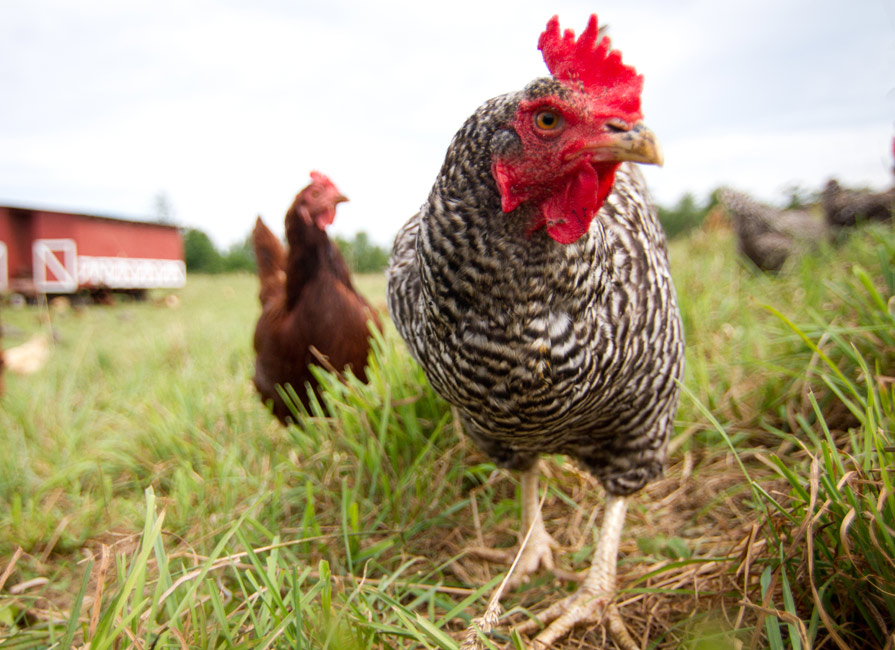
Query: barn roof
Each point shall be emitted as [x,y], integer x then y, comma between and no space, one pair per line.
[83,215]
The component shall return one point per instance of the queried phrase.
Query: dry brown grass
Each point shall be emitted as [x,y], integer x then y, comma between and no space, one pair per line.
[663,600]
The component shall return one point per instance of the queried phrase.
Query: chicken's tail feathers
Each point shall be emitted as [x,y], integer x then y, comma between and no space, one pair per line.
[271,259]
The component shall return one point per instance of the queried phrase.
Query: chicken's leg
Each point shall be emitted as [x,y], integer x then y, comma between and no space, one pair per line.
[538,550]
[593,599]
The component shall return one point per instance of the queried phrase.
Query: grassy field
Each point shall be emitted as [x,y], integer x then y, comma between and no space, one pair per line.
[148,500]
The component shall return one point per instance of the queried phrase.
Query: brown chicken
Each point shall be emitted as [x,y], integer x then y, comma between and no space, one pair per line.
[308,302]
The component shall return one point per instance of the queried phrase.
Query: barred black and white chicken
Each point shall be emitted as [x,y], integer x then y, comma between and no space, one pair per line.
[845,208]
[533,288]
[768,236]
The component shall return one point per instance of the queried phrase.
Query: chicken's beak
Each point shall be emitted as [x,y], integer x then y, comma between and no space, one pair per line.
[341,199]
[637,145]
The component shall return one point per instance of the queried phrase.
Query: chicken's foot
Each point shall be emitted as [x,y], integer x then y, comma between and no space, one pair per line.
[593,600]
[538,548]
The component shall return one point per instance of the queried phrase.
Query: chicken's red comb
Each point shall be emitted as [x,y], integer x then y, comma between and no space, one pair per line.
[591,62]
[323,179]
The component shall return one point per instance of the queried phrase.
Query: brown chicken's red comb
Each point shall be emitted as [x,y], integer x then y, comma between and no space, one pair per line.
[323,179]
[593,63]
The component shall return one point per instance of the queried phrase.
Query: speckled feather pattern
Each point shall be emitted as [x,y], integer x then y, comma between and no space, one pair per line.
[543,347]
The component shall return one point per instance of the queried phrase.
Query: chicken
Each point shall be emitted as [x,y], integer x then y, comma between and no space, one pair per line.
[768,236]
[533,288]
[308,304]
[30,356]
[844,208]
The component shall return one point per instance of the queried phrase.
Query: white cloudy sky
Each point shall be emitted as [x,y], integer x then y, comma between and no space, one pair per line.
[225,106]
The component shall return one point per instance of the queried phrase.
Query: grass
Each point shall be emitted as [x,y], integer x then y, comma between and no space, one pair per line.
[148,500]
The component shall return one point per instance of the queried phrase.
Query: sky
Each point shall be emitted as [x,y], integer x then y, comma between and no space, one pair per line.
[220,109]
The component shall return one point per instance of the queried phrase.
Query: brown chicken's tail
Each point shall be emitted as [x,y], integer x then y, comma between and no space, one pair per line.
[271,260]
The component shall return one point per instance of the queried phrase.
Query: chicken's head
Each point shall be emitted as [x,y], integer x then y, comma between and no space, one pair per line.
[570,132]
[316,203]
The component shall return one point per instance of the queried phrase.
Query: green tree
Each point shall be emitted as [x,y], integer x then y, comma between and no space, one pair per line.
[163,209]
[796,196]
[199,253]
[362,255]
[683,217]
[240,257]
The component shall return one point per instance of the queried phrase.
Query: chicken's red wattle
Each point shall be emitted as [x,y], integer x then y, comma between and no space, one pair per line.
[567,212]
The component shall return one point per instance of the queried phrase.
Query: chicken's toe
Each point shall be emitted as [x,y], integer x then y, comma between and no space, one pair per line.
[582,608]
[537,553]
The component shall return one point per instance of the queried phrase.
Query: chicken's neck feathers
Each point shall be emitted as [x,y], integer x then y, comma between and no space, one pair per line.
[311,253]
[487,257]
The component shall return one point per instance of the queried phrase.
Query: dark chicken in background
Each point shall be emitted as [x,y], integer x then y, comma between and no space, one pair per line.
[533,288]
[768,236]
[845,208]
[307,301]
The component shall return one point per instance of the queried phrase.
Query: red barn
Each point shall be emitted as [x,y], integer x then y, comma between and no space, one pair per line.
[58,252]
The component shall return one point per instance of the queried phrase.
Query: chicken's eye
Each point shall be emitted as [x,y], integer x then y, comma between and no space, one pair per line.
[547,120]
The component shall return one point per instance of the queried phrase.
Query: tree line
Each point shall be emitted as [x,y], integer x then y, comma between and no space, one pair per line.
[689,213]
[202,256]
[363,256]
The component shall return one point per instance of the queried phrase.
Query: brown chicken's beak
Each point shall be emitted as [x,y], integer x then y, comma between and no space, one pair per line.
[637,145]
[341,198]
